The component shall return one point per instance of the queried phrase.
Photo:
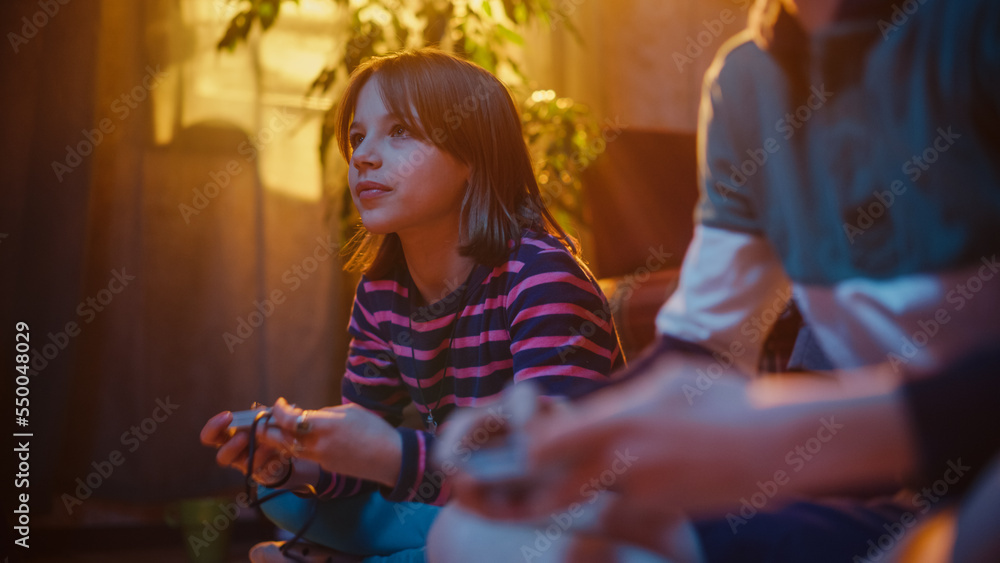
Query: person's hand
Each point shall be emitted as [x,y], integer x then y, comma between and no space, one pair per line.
[487,442]
[684,437]
[663,437]
[345,439]
[270,464]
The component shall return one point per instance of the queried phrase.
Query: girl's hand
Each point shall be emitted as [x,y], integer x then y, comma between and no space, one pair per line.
[344,439]
[270,464]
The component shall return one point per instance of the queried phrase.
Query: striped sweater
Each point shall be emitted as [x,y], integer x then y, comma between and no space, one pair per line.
[540,316]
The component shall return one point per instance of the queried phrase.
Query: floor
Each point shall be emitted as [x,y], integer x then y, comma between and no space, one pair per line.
[237,553]
[142,544]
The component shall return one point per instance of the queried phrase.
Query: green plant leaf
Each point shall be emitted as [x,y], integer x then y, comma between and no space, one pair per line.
[509,34]
[268,12]
[558,131]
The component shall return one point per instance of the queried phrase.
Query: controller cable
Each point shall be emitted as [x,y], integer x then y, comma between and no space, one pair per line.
[255,501]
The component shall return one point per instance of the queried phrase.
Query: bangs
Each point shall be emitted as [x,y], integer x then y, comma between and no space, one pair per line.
[465,111]
[416,90]
[401,98]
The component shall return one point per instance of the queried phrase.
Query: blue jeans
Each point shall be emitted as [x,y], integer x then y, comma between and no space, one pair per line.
[833,531]
[367,525]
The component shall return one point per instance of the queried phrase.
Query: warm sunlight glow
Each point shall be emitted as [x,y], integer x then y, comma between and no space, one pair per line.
[259,88]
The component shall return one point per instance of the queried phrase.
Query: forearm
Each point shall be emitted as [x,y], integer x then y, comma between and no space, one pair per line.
[844,446]
[386,460]
[817,439]
[709,465]
[376,457]
[402,474]
[347,439]
[705,453]
[303,475]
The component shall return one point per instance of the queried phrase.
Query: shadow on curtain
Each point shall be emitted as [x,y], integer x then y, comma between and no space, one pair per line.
[171,281]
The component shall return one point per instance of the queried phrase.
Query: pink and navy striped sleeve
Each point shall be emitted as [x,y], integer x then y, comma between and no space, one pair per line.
[562,335]
[539,316]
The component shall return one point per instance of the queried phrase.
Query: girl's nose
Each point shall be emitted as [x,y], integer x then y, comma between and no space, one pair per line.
[365,155]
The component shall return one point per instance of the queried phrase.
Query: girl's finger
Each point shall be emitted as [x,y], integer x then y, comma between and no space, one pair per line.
[233,450]
[267,460]
[282,411]
[287,417]
[274,437]
[216,431]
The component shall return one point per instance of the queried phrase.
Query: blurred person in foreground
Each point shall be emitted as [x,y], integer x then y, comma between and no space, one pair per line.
[849,154]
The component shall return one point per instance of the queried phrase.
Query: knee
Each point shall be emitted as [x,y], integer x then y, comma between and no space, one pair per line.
[458,536]
[286,511]
[449,539]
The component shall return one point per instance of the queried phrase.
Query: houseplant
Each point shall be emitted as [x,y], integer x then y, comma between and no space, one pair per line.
[558,130]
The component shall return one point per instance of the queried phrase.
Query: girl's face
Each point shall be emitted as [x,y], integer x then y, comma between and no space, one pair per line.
[399,183]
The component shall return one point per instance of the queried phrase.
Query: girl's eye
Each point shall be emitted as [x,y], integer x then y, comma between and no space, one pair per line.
[399,131]
[355,140]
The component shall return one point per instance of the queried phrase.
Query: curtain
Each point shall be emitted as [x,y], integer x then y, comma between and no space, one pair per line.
[184,244]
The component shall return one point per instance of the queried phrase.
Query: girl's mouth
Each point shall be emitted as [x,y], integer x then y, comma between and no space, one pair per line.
[371,190]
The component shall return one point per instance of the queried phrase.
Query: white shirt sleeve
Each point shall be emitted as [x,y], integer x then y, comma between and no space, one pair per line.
[731,291]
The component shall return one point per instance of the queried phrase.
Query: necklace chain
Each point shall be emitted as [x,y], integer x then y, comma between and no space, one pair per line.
[429,419]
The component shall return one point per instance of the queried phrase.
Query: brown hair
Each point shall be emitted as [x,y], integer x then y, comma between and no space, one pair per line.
[467,112]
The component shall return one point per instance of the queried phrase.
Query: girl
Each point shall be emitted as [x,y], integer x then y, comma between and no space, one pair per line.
[468,284]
